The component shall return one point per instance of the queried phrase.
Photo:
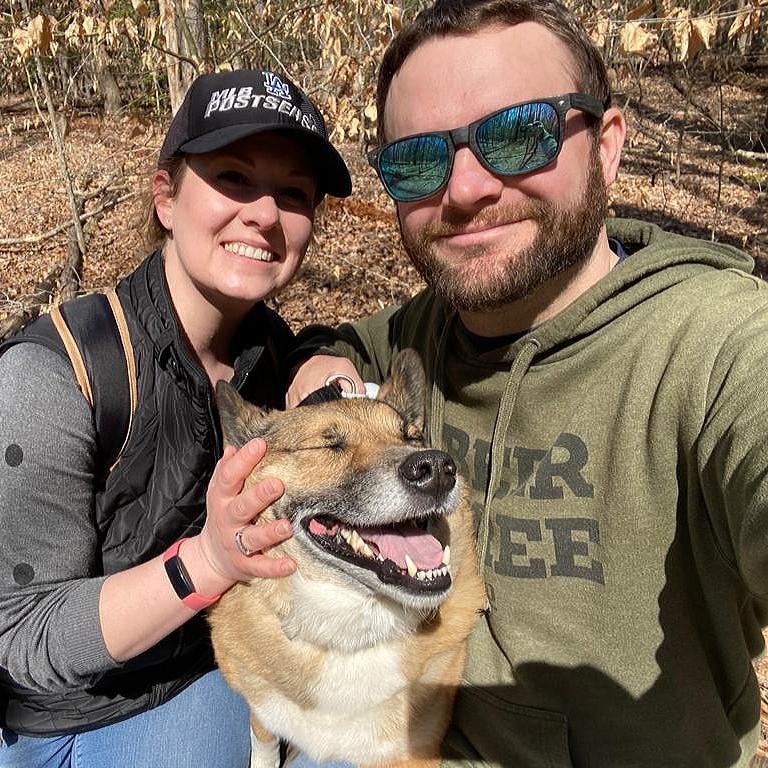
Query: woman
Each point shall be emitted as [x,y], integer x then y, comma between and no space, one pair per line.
[106,659]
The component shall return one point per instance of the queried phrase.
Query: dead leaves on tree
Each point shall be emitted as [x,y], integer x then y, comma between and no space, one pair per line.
[333,48]
[639,33]
[37,35]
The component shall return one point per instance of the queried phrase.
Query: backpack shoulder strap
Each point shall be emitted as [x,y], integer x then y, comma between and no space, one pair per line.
[95,335]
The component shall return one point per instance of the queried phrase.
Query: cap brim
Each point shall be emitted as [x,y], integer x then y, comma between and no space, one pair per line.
[332,172]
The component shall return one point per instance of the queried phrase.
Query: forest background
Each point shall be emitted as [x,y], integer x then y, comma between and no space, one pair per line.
[87,89]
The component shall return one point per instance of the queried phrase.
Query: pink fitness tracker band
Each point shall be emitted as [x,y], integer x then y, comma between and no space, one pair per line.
[181,581]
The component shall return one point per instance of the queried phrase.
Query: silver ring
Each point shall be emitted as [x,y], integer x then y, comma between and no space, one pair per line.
[332,380]
[240,544]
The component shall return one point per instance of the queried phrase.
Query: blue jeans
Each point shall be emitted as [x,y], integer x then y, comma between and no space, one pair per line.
[206,725]
[303,761]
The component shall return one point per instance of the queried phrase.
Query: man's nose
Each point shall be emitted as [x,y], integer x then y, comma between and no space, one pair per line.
[471,184]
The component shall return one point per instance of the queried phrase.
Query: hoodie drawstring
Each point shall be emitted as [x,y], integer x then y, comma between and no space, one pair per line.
[437,401]
[517,371]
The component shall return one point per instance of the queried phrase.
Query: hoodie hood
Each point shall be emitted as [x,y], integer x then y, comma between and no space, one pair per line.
[656,261]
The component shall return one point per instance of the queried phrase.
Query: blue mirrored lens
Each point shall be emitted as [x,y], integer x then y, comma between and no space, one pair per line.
[520,139]
[414,168]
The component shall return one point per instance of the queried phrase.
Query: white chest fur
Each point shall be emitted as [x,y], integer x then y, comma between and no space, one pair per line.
[343,618]
[360,674]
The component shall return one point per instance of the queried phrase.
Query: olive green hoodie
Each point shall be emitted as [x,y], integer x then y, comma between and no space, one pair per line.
[618,462]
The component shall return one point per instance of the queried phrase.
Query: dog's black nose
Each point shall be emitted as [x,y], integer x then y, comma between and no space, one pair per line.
[432,472]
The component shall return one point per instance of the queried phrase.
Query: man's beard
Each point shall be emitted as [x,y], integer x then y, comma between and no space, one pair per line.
[565,238]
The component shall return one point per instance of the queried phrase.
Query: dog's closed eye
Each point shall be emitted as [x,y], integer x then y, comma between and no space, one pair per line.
[334,440]
[330,440]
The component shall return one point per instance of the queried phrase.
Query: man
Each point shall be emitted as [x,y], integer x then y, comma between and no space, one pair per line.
[603,390]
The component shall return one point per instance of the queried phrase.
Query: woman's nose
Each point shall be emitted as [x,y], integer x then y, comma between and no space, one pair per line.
[261,212]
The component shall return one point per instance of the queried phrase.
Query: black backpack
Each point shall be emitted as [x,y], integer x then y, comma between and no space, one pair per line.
[91,331]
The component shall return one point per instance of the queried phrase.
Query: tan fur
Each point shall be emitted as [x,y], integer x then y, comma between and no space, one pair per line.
[263,631]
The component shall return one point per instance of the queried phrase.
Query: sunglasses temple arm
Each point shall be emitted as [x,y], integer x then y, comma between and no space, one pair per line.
[585,103]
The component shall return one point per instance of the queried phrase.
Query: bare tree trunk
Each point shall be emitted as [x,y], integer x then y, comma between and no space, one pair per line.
[108,86]
[186,44]
[197,37]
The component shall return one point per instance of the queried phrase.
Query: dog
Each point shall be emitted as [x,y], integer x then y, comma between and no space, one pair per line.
[358,654]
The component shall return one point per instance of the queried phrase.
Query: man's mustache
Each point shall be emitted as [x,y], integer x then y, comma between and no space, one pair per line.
[459,224]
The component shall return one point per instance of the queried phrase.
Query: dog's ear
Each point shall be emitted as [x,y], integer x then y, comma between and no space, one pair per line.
[241,421]
[405,389]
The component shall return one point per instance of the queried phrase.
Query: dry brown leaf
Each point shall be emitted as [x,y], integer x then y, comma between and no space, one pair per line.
[22,42]
[41,31]
[747,20]
[635,39]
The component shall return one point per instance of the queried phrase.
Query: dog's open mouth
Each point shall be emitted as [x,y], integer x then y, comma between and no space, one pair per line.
[405,554]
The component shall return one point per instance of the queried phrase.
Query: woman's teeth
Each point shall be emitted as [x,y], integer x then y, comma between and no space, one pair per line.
[241,249]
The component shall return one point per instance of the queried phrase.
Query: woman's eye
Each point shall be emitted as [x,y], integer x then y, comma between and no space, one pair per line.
[234,178]
[296,195]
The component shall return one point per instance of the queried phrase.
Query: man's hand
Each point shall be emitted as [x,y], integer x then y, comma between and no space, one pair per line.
[315,372]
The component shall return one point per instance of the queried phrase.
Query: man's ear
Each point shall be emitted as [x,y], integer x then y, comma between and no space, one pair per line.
[613,131]
[405,389]
[162,197]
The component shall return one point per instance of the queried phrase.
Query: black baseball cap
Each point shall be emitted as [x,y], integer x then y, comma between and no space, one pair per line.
[223,107]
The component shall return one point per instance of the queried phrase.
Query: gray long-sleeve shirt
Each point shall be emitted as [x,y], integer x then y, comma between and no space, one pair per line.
[50,634]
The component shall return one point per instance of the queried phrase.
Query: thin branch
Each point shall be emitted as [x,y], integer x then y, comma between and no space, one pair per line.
[175,54]
[275,57]
[61,227]
[31,305]
[63,167]
[721,165]
[257,37]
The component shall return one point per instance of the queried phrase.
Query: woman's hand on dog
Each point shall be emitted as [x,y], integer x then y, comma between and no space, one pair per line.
[217,561]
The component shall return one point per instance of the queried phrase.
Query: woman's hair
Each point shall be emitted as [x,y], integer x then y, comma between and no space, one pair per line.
[155,233]
[461,17]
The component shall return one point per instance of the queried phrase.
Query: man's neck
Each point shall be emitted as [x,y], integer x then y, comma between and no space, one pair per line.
[548,300]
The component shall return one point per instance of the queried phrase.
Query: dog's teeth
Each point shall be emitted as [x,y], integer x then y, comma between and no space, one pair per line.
[365,549]
[420,575]
[346,534]
[355,541]
[412,569]
[447,555]
[380,557]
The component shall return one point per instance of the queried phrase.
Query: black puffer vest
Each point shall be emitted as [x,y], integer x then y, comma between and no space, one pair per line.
[156,495]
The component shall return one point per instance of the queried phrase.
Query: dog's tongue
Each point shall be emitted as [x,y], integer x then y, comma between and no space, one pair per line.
[423,548]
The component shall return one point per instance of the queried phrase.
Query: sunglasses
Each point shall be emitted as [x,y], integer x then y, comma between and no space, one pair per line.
[517,139]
